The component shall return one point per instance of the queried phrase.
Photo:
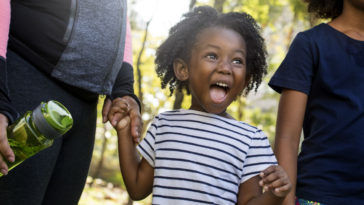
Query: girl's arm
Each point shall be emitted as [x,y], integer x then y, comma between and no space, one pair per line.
[291,110]
[137,173]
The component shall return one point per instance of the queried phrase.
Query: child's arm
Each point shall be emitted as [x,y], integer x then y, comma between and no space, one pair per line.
[137,174]
[291,112]
[273,180]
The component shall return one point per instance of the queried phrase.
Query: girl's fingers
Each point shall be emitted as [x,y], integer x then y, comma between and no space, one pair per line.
[284,188]
[274,178]
[122,124]
[280,182]
[268,170]
[269,179]
[118,111]
[282,191]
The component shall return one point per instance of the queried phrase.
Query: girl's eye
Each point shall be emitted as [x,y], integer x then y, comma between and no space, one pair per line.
[237,61]
[211,56]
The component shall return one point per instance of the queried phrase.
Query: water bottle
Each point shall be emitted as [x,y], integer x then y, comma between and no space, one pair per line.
[36,130]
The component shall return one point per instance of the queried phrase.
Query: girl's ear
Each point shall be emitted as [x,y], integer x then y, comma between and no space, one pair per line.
[180,69]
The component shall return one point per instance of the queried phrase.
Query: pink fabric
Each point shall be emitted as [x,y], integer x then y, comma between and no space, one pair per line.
[4,26]
[128,50]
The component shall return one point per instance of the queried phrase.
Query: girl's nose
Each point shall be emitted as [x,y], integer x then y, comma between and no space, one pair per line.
[224,67]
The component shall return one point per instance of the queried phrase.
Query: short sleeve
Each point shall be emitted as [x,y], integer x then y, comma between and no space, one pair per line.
[259,156]
[296,70]
[147,146]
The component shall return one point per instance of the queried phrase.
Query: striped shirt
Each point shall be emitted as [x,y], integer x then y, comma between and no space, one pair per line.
[202,158]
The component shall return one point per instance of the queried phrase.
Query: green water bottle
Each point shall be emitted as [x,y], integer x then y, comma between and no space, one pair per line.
[36,130]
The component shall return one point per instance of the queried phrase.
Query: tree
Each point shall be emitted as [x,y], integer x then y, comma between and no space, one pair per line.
[219,5]
[98,169]
[139,62]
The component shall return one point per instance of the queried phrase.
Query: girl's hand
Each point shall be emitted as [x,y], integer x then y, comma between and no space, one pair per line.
[117,110]
[276,180]
[123,127]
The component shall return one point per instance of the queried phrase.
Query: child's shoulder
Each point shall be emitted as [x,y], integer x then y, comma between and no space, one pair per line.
[208,119]
[170,113]
[253,130]
[245,129]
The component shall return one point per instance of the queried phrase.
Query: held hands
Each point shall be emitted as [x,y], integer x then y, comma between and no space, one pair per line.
[122,110]
[276,180]
[5,151]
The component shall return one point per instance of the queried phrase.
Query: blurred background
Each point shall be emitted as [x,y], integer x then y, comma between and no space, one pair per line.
[150,20]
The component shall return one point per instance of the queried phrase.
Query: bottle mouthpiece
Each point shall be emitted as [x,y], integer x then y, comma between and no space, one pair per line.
[52,119]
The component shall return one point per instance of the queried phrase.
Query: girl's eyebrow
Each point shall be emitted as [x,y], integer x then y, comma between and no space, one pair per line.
[201,46]
[214,46]
[217,47]
[240,51]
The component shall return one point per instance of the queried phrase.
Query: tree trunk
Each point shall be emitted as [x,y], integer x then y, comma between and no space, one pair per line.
[102,154]
[130,202]
[290,32]
[241,105]
[139,73]
[192,4]
[219,5]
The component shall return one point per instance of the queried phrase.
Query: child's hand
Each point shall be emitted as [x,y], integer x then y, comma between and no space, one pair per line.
[275,179]
[116,112]
[123,125]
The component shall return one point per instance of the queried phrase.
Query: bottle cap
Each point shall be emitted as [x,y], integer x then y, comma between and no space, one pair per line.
[52,119]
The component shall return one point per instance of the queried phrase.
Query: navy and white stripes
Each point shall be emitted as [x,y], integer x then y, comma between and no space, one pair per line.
[202,158]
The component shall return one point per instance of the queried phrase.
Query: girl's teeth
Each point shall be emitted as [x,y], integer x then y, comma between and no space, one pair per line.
[221,84]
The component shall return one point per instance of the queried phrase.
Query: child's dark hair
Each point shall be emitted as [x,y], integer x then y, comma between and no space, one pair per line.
[325,8]
[182,38]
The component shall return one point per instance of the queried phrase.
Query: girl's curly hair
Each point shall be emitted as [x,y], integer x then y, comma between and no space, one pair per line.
[325,8]
[182,38]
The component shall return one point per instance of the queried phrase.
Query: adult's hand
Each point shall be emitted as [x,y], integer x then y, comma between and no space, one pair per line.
[5,151]
[116,110]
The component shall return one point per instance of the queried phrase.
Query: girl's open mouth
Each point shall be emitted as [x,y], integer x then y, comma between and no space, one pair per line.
[218,92]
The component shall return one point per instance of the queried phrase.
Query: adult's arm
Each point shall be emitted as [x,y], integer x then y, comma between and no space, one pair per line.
[5,105]
[124,84]
[123,90]
[7,112]
[291,110]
